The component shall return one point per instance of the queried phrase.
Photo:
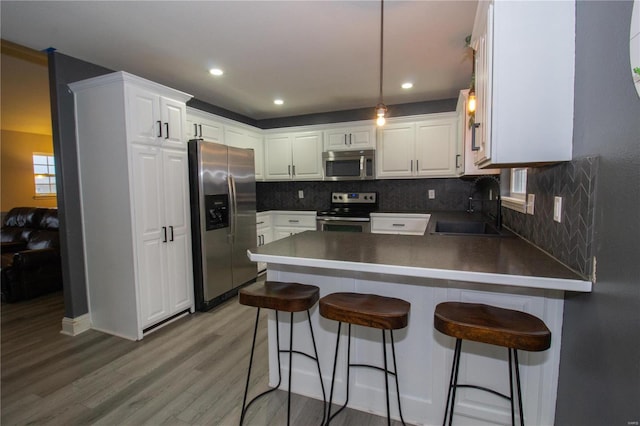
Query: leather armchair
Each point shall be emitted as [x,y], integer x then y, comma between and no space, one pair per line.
[30,253]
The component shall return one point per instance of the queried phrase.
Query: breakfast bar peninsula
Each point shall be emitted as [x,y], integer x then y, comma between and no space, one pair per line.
[425,270]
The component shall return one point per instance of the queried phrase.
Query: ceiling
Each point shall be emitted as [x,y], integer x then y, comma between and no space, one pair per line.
[317,56]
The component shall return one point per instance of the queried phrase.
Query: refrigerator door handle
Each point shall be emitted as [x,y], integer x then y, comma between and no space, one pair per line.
[234,206]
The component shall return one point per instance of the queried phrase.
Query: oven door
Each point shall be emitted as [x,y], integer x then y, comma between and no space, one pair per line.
[351,224]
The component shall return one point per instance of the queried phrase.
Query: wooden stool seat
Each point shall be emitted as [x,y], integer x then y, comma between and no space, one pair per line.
[369,310]
[279,296]
[493,325]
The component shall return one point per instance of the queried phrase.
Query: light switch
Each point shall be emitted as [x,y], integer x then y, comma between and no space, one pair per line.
[300,193]
[557,209]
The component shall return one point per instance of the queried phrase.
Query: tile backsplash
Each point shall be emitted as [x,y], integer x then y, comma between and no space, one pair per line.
[572,240]
[393,195]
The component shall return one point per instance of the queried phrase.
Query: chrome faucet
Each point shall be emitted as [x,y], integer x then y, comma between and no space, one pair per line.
[498,198]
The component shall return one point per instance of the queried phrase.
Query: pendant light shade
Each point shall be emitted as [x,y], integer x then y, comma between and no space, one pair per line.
[381,108]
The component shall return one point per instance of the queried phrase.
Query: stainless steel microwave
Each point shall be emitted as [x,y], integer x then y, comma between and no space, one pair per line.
[349,165]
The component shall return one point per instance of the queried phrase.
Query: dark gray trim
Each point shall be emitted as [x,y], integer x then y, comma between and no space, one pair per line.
[400,110]
[63,70]
[207,107]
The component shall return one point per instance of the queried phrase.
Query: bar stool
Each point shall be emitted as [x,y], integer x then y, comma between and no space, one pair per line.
[511,329]
[368,310]
[287,297]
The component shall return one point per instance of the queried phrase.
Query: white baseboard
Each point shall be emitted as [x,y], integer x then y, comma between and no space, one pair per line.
[75,326]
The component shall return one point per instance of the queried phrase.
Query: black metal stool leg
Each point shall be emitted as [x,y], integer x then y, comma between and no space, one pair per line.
[315,350]
[513,413]
[515,357]
[386,377]
[246,406]
[290,367]
[348,374]
[253,346]
[395,369]
[453,383]
[333,374]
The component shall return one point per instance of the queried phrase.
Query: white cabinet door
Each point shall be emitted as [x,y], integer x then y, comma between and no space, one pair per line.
[177,220]
[296,156]
[241,138]
[306,152]
[395,154]
[145,125]
[150,233]
[436,148]
[278,157]
[354,138]
[173,116]
[155,120]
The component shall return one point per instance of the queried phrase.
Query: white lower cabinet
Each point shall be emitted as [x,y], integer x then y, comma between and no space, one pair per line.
[399,223]
[135,210]
[287,223]
[264,233]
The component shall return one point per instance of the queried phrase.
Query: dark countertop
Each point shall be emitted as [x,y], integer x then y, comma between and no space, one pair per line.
[509,261]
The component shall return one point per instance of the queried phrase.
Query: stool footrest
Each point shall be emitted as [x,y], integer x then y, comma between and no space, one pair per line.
[375,367]
[508,398]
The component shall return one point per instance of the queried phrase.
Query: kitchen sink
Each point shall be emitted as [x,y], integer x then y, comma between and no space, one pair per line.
[468,228]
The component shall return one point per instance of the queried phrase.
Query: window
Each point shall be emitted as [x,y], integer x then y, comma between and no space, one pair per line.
[516,197]
[518,187]
[44,174]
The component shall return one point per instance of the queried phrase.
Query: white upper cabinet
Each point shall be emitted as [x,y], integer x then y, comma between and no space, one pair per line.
[354,138]
[426,147]
[293,156]
[241,138]
[157,120]
[200,126]
[525,60]
[465,160]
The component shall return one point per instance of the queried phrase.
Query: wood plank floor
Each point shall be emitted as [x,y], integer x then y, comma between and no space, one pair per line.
[190,372]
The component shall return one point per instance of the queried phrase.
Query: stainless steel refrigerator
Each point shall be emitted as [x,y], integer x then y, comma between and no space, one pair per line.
[223,219]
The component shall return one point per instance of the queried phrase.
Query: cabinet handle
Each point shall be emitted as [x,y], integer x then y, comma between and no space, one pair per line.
[195,126]
[345,139]
[260,223]
[417,165]
[294,170]
[411,165]
[294,221]
[200,127]
[289,169]
[164,231]
[473,137]
[166,127]
[398,224]
[457,158]
[171,230]
[159,128]
[350,138]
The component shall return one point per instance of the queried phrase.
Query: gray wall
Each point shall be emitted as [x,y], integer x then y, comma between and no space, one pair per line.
[63,70]
[600,359]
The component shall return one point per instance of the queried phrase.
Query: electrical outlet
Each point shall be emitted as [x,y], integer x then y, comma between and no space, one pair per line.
[432,194]
[300,193]
[531,200]
[557,209]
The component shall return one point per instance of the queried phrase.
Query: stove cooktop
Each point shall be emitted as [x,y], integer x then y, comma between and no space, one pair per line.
[352,204]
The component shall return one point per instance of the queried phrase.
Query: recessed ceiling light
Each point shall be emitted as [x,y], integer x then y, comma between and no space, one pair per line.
[407,85]
[216,71]
[278,102]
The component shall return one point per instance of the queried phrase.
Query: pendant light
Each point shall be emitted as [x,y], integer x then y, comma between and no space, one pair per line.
[471,103]
[381,108]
